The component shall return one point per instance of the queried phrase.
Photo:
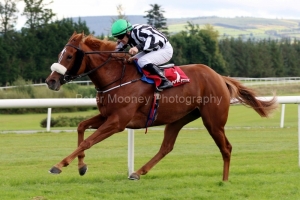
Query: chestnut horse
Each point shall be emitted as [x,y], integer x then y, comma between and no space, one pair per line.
[207,95]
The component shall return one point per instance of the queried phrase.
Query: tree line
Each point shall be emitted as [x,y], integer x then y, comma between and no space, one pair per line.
[236,57]
[29,52]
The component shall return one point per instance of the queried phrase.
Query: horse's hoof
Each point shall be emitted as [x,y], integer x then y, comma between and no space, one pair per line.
[134,176]
[54,170]
[83,170]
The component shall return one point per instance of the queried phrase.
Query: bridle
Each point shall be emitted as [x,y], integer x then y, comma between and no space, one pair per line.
[67,77]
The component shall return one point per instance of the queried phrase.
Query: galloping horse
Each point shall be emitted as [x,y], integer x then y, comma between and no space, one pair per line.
[208,95]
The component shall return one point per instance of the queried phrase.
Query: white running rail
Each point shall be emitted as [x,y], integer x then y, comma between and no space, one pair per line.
[70,102]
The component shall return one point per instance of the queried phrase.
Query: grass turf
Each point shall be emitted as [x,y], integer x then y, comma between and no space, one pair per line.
[264,166]
[264,162]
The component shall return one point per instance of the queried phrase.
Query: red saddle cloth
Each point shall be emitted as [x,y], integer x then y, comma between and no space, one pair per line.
[174,74]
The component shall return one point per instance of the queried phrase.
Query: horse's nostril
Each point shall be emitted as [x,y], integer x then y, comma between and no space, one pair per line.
[50,82]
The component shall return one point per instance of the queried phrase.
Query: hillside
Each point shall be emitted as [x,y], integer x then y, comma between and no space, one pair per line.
[101,24]
[245,27]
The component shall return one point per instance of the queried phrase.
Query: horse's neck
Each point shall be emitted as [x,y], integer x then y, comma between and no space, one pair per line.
[113,73]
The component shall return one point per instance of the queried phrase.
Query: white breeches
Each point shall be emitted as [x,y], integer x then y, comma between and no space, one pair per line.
[158,57]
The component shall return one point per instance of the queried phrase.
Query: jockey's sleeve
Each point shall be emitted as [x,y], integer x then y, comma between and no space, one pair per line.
[140,46]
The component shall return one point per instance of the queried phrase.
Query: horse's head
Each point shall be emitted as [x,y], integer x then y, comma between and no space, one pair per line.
[69,63]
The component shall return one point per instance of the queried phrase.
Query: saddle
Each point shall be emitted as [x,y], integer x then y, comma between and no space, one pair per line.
[173,73]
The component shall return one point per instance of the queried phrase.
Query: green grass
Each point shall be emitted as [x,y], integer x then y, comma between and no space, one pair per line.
[264,161]
[32,121]
[280,90]
[264,166]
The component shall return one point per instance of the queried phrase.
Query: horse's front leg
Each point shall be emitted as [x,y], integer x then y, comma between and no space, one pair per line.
[94,123]
[109,127]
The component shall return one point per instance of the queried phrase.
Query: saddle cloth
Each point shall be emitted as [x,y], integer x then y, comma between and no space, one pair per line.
[174,74]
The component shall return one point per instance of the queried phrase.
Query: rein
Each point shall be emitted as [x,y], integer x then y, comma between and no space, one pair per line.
[78,61]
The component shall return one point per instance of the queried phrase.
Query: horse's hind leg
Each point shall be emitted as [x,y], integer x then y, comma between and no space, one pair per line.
[214,119]
[170,135]
[94,122]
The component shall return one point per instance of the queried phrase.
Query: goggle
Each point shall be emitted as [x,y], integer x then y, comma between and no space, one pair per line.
[120,37]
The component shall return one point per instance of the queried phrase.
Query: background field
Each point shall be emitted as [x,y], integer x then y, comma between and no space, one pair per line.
[239,116]
[244,27]
[264,166]
[264,161]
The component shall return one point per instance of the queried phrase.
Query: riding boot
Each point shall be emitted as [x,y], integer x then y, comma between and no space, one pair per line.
[153,69]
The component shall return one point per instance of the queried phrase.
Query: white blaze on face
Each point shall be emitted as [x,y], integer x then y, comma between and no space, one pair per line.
[61,54]
[57,67]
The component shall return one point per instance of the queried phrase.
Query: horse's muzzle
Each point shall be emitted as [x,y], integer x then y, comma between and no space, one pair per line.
[53,84]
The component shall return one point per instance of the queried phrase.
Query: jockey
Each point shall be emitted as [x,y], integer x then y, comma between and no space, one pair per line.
[153,46]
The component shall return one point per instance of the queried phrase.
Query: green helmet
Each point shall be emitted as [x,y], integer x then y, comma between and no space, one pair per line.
[119,27]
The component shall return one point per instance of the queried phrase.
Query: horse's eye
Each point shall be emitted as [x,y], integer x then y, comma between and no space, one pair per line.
[69,57]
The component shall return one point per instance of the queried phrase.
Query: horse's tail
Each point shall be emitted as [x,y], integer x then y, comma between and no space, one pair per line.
[247,97]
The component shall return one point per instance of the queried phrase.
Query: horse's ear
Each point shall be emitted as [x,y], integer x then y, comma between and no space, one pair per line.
[74,33]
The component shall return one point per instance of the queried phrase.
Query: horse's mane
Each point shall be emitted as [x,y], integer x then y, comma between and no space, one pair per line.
[99,45]
[96,44]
